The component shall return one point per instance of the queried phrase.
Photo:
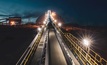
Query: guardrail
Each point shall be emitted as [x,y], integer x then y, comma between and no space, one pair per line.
[29,52]
[87,58]
[47,50]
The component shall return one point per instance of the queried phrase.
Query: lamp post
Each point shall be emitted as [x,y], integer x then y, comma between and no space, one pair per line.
[59,24]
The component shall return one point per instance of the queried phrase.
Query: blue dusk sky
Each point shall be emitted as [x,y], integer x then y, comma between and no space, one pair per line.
[84,12]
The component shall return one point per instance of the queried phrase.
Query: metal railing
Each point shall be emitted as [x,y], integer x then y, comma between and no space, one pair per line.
[87,58]
[29,52]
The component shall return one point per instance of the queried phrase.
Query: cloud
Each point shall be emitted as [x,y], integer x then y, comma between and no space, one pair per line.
[27,14]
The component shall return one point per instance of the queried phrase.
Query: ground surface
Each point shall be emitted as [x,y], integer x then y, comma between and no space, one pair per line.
[13,42]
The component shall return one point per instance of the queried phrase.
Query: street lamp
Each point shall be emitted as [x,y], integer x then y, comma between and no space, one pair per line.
[86,42]
[44,22]
[53,14]
[59,24]
[55,21]
[39,29]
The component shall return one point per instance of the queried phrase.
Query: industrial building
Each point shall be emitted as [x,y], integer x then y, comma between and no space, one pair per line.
[14,20]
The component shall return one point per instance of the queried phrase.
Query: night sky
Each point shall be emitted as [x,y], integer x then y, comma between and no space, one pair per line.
[85,12]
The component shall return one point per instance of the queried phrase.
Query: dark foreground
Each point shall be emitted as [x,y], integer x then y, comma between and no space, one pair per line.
[13,42]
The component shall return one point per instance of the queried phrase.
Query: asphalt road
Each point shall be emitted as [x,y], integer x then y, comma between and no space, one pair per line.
[56,56]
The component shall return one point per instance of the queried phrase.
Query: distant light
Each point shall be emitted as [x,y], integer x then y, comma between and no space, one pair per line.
[59,24]
[39,29]
[44,22]
[55,21]
[12,23]
[86,42]
[53,14]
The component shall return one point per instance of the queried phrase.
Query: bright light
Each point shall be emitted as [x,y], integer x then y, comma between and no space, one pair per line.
[53,14]
[12,23]
[59,24]
[39,29]
[55,21]
[86,42]
[44,22]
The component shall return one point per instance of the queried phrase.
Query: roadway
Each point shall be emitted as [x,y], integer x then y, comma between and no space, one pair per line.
[56,56]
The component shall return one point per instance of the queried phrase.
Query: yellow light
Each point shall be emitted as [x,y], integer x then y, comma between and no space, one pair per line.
[44,22]
[12,23]
[53,14]
[55,21]
[86,42]
[39,29]
[59,24]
